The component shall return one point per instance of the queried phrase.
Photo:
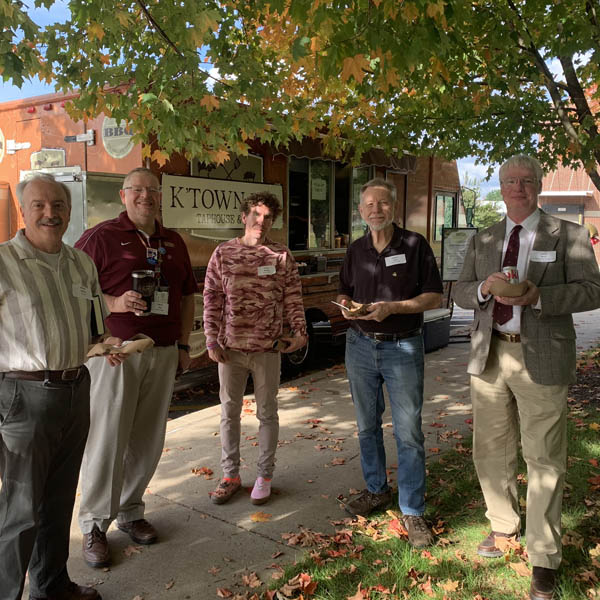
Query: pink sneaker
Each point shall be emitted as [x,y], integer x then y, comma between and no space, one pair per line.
[261,491]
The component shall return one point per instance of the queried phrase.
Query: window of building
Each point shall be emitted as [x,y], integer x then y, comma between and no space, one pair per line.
[445,213]
[323,204]
[360,176]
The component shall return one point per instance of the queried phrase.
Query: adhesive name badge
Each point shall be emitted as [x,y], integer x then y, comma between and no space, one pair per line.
[160,304]
[397,259]
[80,291]
[544,256]
[266,270]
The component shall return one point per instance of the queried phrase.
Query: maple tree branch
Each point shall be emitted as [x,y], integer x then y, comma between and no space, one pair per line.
[551,84]
[158,28]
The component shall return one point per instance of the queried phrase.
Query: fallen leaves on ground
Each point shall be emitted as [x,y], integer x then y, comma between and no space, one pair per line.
[131,550]
[203,472]
[521,569]
[251,580]
[260,517]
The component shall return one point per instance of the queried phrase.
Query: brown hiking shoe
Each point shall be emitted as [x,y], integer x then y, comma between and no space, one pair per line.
[95,548]
[488,547]
[419,535]
[367,502]
[140,531]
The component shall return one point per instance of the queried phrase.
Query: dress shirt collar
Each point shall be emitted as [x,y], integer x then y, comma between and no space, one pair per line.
[529,224]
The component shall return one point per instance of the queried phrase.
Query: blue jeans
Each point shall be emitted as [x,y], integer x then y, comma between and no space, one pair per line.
[399,365]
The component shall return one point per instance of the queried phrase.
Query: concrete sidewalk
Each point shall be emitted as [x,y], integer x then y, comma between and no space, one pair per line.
[203,546]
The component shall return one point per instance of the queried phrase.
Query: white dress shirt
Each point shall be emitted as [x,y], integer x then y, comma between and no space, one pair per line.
[526,240]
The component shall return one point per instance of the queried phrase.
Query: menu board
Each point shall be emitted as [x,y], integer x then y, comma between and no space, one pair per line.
[455,241]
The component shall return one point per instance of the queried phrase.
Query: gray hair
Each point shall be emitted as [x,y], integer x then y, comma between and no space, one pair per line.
[524,161]
[141,171]
[45,178]
[379,182]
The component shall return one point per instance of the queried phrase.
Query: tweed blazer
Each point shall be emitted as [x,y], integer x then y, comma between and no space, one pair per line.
[569,284]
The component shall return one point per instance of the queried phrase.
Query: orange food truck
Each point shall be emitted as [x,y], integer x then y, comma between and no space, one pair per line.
[319,196]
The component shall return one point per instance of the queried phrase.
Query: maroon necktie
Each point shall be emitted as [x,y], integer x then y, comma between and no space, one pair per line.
[503,312]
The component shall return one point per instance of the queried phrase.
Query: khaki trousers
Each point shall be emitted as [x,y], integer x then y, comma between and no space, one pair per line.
[129,407]
[233,376]
[504,397]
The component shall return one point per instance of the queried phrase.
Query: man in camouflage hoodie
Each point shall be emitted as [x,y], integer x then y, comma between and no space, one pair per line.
[251,290]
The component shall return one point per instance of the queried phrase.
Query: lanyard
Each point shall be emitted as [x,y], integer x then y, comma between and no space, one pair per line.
[154,256]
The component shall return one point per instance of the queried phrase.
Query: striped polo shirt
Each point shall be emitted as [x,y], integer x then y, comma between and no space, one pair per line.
[45,311]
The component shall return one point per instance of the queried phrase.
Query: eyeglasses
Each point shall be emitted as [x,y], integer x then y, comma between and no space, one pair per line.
[139,190]
[512,181]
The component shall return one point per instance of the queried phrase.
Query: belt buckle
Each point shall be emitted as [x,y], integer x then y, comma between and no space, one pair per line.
[66,374]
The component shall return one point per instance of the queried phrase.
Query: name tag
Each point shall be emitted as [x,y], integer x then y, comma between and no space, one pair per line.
[160,304]
[266,270]
[80,291]
[397,259]
[544,256]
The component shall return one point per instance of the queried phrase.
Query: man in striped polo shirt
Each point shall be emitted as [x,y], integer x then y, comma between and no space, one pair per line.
[46,292]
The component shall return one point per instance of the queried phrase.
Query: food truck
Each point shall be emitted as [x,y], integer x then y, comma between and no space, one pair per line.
[319,196]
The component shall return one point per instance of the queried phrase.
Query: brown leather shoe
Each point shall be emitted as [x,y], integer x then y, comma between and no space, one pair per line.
[488,546]
[95,548]
[72,592]
[543,582]
[140,531]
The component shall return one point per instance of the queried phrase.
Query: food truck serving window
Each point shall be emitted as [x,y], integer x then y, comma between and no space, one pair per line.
[323,206]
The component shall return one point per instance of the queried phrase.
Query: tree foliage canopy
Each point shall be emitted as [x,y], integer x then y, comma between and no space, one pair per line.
[451,77]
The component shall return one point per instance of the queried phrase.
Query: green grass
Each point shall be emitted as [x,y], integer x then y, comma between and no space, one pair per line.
[370,556]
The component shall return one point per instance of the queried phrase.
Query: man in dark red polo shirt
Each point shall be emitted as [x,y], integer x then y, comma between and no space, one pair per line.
[393,270]
[129,403]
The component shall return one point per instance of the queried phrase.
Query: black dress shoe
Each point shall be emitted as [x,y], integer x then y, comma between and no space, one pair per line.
[71,592]
[543,582]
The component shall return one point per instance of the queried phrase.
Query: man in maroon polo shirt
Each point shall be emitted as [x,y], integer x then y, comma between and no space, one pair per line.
[129,403]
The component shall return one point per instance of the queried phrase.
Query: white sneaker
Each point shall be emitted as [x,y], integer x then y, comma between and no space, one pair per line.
[261,491]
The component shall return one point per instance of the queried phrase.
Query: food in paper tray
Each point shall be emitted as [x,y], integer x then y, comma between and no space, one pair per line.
[138,343]
[357,309]
[504,288]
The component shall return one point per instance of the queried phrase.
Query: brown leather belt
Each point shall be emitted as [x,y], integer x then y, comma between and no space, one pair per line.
[54,376]
[507,337]
[391,337]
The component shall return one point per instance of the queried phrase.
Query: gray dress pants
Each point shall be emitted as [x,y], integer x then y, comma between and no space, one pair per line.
[43,430]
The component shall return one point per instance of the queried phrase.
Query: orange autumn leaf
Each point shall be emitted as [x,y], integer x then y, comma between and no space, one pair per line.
[521,569]
[210,102]
[449,586]
[260,517]
[355,66]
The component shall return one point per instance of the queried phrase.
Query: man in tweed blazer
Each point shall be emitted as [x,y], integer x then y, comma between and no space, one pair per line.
[522,360]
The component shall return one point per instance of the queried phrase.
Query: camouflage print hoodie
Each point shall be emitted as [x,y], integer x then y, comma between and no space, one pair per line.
[249,292]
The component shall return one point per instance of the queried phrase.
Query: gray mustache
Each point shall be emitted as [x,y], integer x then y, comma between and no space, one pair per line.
[53,221]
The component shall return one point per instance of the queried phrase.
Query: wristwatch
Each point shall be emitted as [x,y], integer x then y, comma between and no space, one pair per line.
[183,347]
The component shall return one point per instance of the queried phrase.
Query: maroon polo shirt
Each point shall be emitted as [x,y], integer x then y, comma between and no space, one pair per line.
[405,269]
[117,248]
